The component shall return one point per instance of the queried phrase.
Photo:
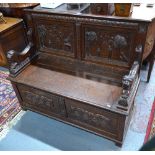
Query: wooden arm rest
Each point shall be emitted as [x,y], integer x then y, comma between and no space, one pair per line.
[18,60]
[27,49]
[12,54]
[128,82]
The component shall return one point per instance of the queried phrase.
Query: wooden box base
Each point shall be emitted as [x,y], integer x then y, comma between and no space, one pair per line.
[83,103]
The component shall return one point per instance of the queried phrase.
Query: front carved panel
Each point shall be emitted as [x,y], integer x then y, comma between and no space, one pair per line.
[53,36]
[94,117]
[104,45]
[41,100]
[38,100]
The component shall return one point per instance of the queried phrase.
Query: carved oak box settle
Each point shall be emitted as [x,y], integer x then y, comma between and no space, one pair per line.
[80,68]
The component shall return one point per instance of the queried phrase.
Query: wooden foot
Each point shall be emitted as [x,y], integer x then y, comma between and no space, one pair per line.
[118,144]
[23,108]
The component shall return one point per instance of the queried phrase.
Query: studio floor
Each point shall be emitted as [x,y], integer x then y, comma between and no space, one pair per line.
[36,132]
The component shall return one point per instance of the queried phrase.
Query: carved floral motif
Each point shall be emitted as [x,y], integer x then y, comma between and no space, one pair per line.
[38,100]
[100,43]
[53,103]
[91,118]
[127,83]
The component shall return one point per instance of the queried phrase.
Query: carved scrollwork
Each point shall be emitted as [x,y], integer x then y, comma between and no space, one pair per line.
[91,118]
[18,60]
[123,100]
[38,100]
[53,103]
[87,20]
[127,84]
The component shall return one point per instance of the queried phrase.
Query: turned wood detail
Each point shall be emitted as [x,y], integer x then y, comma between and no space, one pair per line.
[127,83]
[18,60]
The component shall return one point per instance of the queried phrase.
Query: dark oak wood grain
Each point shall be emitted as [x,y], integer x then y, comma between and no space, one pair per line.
[83,69]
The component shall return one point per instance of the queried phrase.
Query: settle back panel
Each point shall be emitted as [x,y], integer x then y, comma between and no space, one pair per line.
[88,45]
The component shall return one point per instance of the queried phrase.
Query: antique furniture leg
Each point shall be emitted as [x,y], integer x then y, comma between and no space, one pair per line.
[118,144]
[18,95]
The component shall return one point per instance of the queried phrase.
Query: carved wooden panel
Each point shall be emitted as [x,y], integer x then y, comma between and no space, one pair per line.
[55,37]
[94,117]
[42,100]
[108,45]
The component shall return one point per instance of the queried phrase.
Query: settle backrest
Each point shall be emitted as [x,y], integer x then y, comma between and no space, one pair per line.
[86,45]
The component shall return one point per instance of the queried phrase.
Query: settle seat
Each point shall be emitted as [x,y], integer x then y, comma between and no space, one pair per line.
[80,68]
